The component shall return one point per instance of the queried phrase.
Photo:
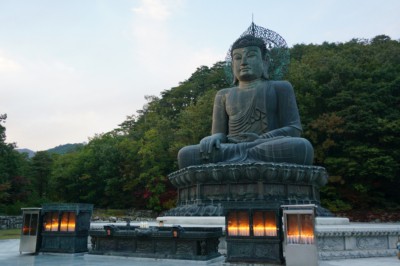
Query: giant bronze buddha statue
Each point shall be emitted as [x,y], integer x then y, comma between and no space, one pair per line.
[256,120]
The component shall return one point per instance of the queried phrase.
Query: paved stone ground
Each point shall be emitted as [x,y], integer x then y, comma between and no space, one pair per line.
[9,256]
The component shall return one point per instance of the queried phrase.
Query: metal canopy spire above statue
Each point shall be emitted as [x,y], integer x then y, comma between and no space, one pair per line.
[278,52]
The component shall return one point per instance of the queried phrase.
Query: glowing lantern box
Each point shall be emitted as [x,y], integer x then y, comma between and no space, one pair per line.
[30,232]
[65,227]
[300,242]
[254,235]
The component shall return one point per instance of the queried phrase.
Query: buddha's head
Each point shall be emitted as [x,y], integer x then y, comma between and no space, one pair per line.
[249,59]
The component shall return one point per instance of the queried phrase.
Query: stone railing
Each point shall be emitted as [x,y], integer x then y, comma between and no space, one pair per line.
[357,240]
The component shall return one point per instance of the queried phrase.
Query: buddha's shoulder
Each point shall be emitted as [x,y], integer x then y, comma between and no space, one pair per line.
[281,85]
[282,88]
[278,85]
[226,91]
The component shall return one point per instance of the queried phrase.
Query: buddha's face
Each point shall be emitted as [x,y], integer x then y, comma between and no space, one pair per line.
[247,63]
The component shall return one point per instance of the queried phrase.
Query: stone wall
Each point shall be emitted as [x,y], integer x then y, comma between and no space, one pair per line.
[10,222]
[357,240]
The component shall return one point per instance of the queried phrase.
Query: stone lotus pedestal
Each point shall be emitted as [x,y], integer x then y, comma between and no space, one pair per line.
[205,190]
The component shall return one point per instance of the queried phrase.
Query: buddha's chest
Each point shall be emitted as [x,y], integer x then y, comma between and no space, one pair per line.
[241,101]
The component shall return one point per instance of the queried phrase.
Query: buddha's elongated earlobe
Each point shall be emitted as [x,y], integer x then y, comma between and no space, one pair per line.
[265,70]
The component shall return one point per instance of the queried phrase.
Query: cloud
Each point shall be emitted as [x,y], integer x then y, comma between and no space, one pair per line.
[155,9]
[62,67]
[7,64]
[51,102]
[162,51]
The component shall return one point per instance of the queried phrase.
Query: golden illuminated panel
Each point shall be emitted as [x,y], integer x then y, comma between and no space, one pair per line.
[238,224]
[71,222]
[50,222]
[27,221]
[67,223]
[300,229]
[264,223]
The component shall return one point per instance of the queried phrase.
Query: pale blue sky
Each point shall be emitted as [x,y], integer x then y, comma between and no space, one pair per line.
[70,69]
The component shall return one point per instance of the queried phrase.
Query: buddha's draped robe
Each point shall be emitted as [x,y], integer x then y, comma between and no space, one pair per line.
[268,110]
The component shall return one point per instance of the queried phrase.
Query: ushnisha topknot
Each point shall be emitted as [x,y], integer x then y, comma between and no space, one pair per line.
[250,40]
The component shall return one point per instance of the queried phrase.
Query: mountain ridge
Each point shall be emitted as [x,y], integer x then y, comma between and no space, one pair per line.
[60,149]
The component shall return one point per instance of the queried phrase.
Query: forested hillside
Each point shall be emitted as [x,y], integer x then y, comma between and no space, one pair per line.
[349,100]
[66,148]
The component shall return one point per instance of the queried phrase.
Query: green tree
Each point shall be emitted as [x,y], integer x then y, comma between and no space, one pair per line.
[5,169]
[14,186]
[40,174]
[348,96]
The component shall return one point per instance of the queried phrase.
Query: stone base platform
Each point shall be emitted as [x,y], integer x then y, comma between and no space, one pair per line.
[337,238]
[206,190]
